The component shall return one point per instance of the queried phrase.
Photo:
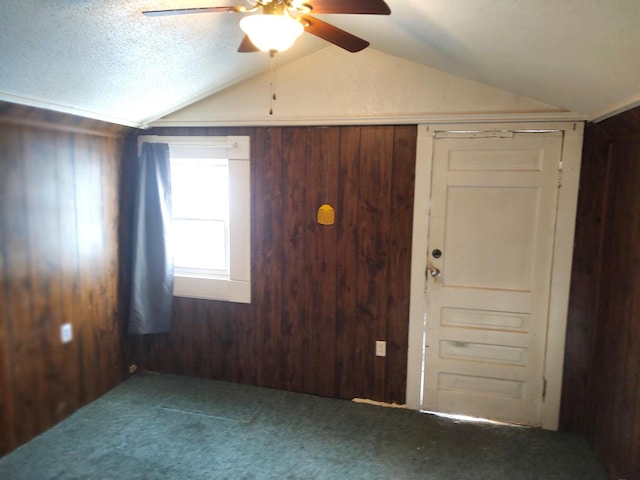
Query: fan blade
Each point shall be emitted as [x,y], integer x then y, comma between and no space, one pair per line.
[333,34]
[246,46]
[373,7]
[186,11]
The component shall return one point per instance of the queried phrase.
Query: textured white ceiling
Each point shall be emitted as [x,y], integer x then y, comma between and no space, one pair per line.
[103,59]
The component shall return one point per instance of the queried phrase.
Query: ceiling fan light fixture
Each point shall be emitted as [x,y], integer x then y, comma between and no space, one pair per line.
[271,32]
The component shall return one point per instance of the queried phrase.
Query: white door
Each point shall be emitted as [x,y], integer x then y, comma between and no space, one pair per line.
[490,252]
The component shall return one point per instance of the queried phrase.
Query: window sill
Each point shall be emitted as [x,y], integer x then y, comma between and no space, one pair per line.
[209,288]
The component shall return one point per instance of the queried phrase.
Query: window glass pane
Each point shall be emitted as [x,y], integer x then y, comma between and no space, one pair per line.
[200,244]
[200,188]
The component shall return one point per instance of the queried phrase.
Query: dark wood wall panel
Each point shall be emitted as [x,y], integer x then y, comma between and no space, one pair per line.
[322,294]
[293,318]
[58,232]
[585,278]
[601,391]
[346,278]
[267,260]
[616,359]
[399,257]
[374,202]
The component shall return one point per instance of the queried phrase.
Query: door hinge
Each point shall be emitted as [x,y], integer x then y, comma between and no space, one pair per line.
[560,178]
[544,388]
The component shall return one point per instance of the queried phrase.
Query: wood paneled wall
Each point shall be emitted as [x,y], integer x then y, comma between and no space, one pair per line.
[322,295]
[58,264]
[601,390]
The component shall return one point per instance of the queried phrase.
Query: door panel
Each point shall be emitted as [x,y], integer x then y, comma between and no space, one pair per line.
[493,210]
[501,223]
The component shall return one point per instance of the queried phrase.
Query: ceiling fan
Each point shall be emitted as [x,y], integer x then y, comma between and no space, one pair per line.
[277,23]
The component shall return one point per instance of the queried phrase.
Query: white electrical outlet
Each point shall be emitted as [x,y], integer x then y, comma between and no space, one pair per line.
[381,348]
[66,333]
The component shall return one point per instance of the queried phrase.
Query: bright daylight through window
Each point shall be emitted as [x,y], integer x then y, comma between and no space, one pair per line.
[211,216]
[200,193]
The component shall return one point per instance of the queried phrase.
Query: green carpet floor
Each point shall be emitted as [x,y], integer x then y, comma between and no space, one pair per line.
[170,427]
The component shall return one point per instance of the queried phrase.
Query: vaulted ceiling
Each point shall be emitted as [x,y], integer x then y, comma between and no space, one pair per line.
[104,59]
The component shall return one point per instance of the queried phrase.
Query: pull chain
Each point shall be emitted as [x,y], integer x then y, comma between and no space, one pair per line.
[273,87]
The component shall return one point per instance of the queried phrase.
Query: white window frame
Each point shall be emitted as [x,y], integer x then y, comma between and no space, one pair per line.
[236,287]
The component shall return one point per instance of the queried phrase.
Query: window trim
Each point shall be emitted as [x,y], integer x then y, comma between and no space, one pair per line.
[237,286]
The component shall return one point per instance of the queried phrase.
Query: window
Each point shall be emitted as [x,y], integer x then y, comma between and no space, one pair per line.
[211,215]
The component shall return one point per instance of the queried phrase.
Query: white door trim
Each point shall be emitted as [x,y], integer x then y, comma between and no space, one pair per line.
[560,271]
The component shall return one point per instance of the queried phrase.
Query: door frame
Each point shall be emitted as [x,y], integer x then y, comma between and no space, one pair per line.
[560,269]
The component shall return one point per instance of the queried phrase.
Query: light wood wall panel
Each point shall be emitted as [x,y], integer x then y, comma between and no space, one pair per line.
[59,181]
[322,295]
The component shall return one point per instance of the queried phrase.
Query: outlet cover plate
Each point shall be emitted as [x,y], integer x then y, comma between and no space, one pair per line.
[66,333]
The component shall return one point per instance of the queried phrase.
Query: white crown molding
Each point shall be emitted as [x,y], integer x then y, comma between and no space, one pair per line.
[379,120]
[615,110]
[33,102]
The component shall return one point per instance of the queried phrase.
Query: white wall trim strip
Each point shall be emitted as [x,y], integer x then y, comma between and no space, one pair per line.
[381,120]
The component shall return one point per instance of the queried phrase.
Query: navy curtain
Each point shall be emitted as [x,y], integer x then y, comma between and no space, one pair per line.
[152,269]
